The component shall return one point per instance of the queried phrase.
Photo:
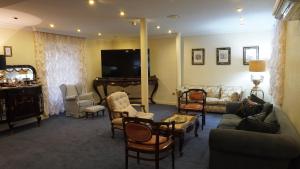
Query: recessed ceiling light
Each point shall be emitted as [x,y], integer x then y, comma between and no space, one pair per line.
[122,13]
[170,31]
[99,34]
[91,2]
[157,27]
[239,9]
[16,18]
[51,25]
[78,30]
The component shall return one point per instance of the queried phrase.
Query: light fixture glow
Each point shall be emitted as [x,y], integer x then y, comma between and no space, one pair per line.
[99,34]
[78,30]
[91,2]
[239,9]
[170,31]
[122,13]
[157,27]
[51,25]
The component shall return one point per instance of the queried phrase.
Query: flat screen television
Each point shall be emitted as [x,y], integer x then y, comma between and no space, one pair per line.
[122,63]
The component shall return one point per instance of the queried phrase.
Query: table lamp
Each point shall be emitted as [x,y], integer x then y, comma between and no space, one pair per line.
[257,66]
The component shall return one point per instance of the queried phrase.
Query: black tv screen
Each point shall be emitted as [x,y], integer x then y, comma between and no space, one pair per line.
[121,63]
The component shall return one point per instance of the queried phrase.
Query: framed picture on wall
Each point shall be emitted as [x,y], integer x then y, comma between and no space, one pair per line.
[198,56]
[250,53]
[7,51]
[223,56]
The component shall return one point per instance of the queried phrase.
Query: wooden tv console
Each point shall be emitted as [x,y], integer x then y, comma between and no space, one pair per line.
[132,86]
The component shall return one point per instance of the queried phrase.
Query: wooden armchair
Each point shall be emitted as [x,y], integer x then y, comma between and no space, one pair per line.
[148,137]
[193,100]
[118,106]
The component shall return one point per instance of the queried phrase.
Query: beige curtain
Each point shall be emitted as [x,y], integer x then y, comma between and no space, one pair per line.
[277,62]
[59,60]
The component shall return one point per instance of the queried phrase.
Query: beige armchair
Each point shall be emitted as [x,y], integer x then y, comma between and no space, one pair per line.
[75,100]
[119,106]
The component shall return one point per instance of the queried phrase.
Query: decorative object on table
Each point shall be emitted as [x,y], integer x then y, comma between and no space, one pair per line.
[177,119]
[223,56]
[7,51]
[250,53]
[257,67]
[198,56]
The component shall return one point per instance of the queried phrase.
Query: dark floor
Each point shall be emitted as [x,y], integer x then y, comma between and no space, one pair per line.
[68,143]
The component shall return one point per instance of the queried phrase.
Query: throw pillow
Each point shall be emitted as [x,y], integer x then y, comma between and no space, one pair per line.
[260,116]
[235,96]
[256,99]
[271,118]
[258,126]
[268,108]
[249,108]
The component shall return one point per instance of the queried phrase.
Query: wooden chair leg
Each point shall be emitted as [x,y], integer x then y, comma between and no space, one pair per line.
[181,142]
[126,159]
[138,157]
[156,160]
[173,157]
[112,132]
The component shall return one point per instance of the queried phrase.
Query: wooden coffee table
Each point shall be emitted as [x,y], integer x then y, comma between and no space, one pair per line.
[184,123]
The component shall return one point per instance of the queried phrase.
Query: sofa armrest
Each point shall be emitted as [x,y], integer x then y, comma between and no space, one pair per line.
[257,144]
[233,107]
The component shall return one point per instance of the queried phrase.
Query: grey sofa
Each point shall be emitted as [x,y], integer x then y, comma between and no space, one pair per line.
[239,149]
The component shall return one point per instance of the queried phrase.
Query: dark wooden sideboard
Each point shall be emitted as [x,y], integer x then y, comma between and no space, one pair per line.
[19,103]
[132,86]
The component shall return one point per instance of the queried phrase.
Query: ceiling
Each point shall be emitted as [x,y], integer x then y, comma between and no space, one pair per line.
[196,17]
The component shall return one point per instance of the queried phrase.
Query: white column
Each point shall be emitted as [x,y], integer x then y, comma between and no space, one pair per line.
[144,63]
[178,59]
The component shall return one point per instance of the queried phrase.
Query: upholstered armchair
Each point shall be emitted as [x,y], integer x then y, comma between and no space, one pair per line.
[119,106]
[75,100]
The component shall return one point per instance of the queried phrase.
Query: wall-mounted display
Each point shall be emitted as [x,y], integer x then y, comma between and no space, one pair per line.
[250,53]
[7,51]
[198,56]
[223,56]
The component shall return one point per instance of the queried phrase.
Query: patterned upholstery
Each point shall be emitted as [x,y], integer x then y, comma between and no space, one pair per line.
[217,96]
[119,106]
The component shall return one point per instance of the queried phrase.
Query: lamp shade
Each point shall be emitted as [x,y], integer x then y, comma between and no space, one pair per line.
[257,66]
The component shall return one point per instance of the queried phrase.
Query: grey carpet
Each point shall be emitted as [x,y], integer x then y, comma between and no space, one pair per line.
[68,143]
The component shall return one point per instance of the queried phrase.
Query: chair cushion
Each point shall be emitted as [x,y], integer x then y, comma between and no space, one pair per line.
[213,91]
[131,111]
[84,103]
[94,109]
[212,100]
[71,90]
[191,106]
[118,101]
[144,115]
[149,146]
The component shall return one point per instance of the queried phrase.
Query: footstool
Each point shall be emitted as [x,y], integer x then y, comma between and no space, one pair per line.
[94,109]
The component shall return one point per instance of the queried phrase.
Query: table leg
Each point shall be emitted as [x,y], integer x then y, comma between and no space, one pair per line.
[181,142]
[197,124]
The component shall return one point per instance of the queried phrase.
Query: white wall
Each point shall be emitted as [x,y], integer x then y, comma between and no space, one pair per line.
[235,74]
[22,46]
[291,99]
